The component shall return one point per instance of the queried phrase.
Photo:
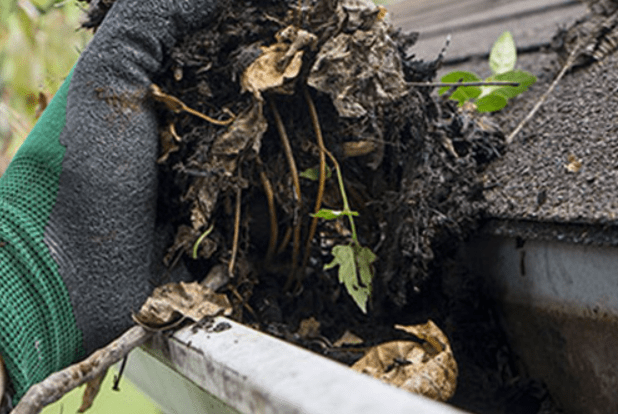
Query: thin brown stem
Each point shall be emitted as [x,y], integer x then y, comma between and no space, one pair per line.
[322,178]
[287,236]
[272,211]
[567,65]
[176,105]
[236,237]
[287,147]
[242,300]
[543,98]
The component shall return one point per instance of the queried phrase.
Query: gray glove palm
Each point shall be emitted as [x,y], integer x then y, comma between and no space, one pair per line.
[78,202]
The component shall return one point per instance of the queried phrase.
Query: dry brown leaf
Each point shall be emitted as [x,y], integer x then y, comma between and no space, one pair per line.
[169,139]
[278,63]
[90,392]
[245,133]
[429,369]
[574,164]
[309,328]
[173,302]
[348,338]
[360,67]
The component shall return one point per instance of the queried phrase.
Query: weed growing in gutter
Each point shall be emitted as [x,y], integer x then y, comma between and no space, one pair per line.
[491,98]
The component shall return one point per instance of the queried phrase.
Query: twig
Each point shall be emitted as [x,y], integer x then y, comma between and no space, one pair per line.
[92,390]
[322,178]
[59,383]
[244,303]
[236,237]
[457,84]
[567,65]
[287,236]
[287,147]
[270,198]
[176,105]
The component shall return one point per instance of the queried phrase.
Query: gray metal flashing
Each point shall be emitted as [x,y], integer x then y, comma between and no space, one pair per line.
[560,309]
[251,372]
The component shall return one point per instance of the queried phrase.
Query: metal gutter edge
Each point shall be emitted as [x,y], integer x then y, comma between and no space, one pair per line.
[238,369]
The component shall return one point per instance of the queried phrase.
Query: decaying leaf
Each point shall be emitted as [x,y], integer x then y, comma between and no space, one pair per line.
[90,392]
[278,63]
[169,143]
[176,301]
[309,328]
[427,368]
[574,165]
[348,338]
[245,133]
[360,67]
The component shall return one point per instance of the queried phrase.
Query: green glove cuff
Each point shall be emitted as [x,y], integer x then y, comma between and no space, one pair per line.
[38,332]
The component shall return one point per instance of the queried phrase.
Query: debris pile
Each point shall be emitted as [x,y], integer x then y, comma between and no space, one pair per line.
[306,175]
[264,110]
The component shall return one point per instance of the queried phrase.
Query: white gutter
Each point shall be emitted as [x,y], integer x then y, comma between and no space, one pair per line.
[238,369]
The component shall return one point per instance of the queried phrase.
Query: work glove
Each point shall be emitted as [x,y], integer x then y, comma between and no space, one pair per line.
[78,201]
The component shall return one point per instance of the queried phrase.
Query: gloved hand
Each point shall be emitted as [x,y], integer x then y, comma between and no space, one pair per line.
[77,203]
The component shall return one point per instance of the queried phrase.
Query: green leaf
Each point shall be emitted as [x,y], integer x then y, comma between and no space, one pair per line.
[491,103]
[355,271]
[327,214]
[313,174]
[525,79]
[462,93]
[503,54]
[364,260]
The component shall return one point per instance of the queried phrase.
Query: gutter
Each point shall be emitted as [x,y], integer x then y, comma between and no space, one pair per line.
[558,300]
[230,368]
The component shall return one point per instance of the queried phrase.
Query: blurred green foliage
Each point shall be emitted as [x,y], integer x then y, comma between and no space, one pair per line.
[39,43]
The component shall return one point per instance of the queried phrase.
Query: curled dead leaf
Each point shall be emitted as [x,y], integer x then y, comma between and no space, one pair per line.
[174,302]
[360,67]
[429,368]
[278,63]
[574,164]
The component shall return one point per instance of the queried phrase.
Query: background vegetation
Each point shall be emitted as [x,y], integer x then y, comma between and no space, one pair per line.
[39,43]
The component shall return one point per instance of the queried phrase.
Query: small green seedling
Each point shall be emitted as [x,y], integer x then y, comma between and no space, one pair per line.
[488,98]
[355,261]
[313,174]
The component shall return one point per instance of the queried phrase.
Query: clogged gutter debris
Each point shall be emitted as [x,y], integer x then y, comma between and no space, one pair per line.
[309,176]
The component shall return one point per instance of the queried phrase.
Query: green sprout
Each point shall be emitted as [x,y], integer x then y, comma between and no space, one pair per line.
[490,98]
[354,260]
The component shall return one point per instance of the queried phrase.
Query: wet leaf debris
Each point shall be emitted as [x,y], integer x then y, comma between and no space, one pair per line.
[238,138]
